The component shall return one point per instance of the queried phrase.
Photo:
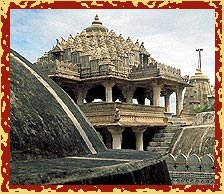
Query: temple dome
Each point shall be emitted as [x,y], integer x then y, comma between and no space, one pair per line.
[198,76]
[97,42]
[96,26]
[197,96]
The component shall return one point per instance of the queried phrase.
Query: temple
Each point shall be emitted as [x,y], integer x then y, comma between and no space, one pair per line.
[198,98]
[105,74]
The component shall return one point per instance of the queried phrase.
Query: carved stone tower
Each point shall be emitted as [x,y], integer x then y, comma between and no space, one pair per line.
[197,96]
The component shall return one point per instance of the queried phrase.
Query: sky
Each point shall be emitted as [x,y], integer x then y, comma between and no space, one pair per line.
[170,35]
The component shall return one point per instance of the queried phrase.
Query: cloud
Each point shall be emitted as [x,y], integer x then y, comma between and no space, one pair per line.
[171,36]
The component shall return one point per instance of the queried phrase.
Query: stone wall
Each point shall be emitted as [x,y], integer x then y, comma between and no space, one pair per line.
[168,71]
[199,138]
[59,68]
[155,69]
[192,169]
[204,118]
[144,70]
[103,113]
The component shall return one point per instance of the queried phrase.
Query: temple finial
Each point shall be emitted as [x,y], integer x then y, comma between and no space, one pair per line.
[96,17]
[199,59]
[96,20]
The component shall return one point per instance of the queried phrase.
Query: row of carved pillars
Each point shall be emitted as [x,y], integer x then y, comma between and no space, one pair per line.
[156,88]
[116,132]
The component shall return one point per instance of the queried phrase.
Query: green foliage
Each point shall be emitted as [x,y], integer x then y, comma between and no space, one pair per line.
[201,109]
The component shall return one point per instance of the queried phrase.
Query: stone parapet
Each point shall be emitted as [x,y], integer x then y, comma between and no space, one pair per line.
[166,70]
[204,118]
[192,163]
[105,114]
[187,178]
[59,68]
[192,169]
[104,72]
[144,71]
[154,70]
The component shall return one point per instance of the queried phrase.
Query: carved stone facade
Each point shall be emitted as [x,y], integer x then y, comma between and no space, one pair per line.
[193,170]
[98,64]
[197,96]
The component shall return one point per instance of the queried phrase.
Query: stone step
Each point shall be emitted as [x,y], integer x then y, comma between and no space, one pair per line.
[161,150]
[164,135]
[162,139]
[169,129]
[159,144]
[177,121]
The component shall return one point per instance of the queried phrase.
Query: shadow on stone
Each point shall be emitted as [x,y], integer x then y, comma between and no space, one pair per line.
[52,142]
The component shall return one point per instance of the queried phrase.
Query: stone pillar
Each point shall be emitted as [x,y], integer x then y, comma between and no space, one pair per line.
[129,96]
[156,94]
[116,133]
[108,89]
[80,97]
[178,101]
[128,92]
[139,137]
[80,94]
[167,101]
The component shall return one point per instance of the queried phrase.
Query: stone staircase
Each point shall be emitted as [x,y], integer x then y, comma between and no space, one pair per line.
[177,121]
[162,139]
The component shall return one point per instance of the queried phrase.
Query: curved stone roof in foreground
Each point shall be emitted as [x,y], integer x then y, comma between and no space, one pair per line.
[52,142]
[43,125]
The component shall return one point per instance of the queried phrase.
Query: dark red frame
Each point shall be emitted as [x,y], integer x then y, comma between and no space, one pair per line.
[5,90]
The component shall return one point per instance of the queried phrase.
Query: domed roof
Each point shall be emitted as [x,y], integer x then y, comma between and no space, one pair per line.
[199,76]
[99,43]
[96,26]
[197,96]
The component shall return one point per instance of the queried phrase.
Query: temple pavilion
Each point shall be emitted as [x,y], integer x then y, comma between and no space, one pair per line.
[103,73]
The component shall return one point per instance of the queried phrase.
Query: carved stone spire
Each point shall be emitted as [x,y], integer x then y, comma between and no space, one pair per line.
[97,21]
[96,26]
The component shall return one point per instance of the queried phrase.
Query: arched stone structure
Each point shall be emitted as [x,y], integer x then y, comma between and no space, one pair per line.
[140,94]
[117,94]
[194,163]
[96,92]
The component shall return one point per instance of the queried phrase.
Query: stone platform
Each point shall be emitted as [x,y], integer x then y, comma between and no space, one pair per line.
[110,167]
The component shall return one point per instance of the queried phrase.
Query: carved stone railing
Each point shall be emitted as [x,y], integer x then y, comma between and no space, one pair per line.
[59,68]
[89,74]
[104,70]
[143,71]
[192,169]
[168,71]
[155,69]
[104,114]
